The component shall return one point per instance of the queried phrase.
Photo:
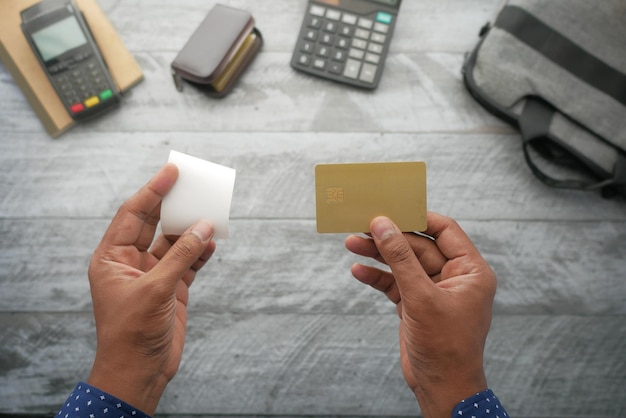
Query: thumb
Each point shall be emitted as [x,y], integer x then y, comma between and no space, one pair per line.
[411,279]
[187,249]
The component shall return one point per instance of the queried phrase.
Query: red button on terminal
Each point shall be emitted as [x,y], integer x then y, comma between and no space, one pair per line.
[77,107]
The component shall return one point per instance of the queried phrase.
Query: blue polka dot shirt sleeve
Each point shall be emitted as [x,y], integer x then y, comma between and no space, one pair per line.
[89,402]
[482,405]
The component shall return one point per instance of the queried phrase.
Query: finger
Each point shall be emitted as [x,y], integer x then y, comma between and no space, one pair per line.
[161,246]
[190,275]
[177,263]
[412,281]
[451,240]
[163,243]
[205,257]
[146,235]
[364,247]
[382,281]
[425,248]
[136,220]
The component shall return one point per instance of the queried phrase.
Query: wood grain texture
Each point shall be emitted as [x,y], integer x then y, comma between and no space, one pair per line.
[273,97]
[286,364]
[470,176]
[278,327]
[284,266]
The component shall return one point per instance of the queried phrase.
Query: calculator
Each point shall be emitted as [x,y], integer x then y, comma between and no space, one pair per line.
[346,40]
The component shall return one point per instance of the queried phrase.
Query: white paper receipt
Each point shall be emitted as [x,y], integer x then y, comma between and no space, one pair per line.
[204,190]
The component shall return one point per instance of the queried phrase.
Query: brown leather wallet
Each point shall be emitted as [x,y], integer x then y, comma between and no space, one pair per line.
[218,51]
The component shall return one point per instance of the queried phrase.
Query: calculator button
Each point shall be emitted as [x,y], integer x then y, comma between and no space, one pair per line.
[373,58]
[315,22]
[323,51]
[384,17]
[335,67]
[317,10]
[346,30]
[330,27]
[376,48]
[378,37]
[319,63]
[333,14]
[349,19]
[352,69]
[362,33]
[311,35]
[326,39]
[356,53]
[304,59]
[368,74]
[339,55]
[382,28]
[343,43]
[365,23]
[307,47]
[359,43]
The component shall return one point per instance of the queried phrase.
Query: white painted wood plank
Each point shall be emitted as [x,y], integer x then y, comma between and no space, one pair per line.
[419,92]
[469,176]
[276,266]
[326,364]
[426,25]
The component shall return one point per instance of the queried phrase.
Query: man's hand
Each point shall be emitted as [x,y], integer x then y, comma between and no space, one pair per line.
[140,290]
[444,291]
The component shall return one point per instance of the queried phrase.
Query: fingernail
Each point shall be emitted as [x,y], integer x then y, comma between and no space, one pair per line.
[203,230]
[382,228]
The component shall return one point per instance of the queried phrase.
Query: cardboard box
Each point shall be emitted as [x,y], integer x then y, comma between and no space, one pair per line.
[19,59]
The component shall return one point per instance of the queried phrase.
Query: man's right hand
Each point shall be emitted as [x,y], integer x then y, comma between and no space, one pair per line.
[444,291]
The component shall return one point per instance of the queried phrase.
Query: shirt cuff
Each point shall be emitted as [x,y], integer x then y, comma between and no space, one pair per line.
[87,401]
[482,405]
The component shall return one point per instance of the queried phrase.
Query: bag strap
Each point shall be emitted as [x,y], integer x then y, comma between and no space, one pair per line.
[534,124]
[562,51]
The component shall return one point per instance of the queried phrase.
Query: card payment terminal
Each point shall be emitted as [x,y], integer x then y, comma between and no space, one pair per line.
[61,40]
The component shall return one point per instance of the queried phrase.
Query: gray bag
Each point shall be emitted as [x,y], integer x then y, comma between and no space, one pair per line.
[556,69]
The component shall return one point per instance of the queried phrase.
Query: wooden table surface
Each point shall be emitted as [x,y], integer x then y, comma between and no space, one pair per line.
[277,324]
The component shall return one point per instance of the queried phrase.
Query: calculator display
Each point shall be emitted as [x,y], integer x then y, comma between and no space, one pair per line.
[59,38]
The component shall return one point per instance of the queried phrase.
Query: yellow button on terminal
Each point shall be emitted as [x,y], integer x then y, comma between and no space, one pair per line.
[92,101]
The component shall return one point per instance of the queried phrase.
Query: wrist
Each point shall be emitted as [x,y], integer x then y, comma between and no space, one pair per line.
[141,390]
[438,399]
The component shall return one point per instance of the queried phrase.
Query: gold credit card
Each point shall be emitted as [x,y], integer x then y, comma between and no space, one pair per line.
[349,196]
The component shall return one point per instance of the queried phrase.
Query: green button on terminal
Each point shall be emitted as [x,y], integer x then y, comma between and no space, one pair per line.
[107,94]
